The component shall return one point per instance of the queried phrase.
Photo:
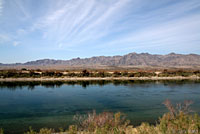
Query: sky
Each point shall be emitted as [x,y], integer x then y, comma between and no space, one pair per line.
[65,29]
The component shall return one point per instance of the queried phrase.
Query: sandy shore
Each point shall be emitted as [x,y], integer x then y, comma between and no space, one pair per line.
[99,78]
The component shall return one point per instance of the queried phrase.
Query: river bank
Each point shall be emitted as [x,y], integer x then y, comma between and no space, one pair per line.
[98,78]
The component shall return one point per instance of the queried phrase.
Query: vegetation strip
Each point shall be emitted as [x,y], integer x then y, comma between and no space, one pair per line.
[99,78]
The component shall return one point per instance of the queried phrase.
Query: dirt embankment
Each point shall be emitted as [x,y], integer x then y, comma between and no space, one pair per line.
[99,78]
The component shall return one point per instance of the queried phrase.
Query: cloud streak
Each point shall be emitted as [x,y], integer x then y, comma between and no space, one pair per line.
[1,6]
[73,20]
[4,38]
[20,5]
[16,43]
[100,25]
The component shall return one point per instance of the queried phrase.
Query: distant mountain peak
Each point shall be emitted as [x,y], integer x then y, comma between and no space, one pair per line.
[172,53]
[131,59]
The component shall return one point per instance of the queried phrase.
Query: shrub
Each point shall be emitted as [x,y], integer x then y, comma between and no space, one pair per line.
[30,131]
[73,129]
[46,131]
[71,74]
[145,128]
[58,74]
[116,74]
[101,74]
[23,69]
[42,131]
[1,131]
[131,75]
[180,108]
[181,123]
[85,73]
[101,123]
[50,73]
[179,120]
[125,73]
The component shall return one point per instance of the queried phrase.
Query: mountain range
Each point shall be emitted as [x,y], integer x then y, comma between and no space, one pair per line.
[128,60]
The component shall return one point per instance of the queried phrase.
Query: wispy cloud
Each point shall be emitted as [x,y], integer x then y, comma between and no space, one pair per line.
[4,38]
[1,6]
[21,31]
[21,7]
[71,22]
[74,23]
[76,27]
[16,43]
[169,26]
[176,30]
[101,25]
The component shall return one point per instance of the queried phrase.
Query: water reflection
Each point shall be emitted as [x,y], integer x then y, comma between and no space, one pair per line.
[85,84]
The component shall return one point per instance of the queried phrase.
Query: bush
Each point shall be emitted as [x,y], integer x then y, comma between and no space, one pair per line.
[85,73]
[71,74]
[23,69]
[1,131]
[31,131]
[145,128]
[125,74]
[101,74]
[181,123]
[116,74]
[42,131]
[179,119]
[73,129]
[105,122]
[46,131]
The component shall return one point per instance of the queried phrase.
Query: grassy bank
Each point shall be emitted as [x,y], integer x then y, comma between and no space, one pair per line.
[179,120]
[24,73]
[85,75]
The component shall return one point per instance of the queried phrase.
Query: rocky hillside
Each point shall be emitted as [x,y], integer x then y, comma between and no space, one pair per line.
[131,59]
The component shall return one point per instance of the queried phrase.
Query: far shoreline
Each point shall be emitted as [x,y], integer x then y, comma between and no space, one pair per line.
[97,78]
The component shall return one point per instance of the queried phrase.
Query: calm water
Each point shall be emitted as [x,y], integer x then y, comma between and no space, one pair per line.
[53,104]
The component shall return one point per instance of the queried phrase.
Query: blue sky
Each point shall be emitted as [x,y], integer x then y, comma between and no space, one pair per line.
[65,29]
